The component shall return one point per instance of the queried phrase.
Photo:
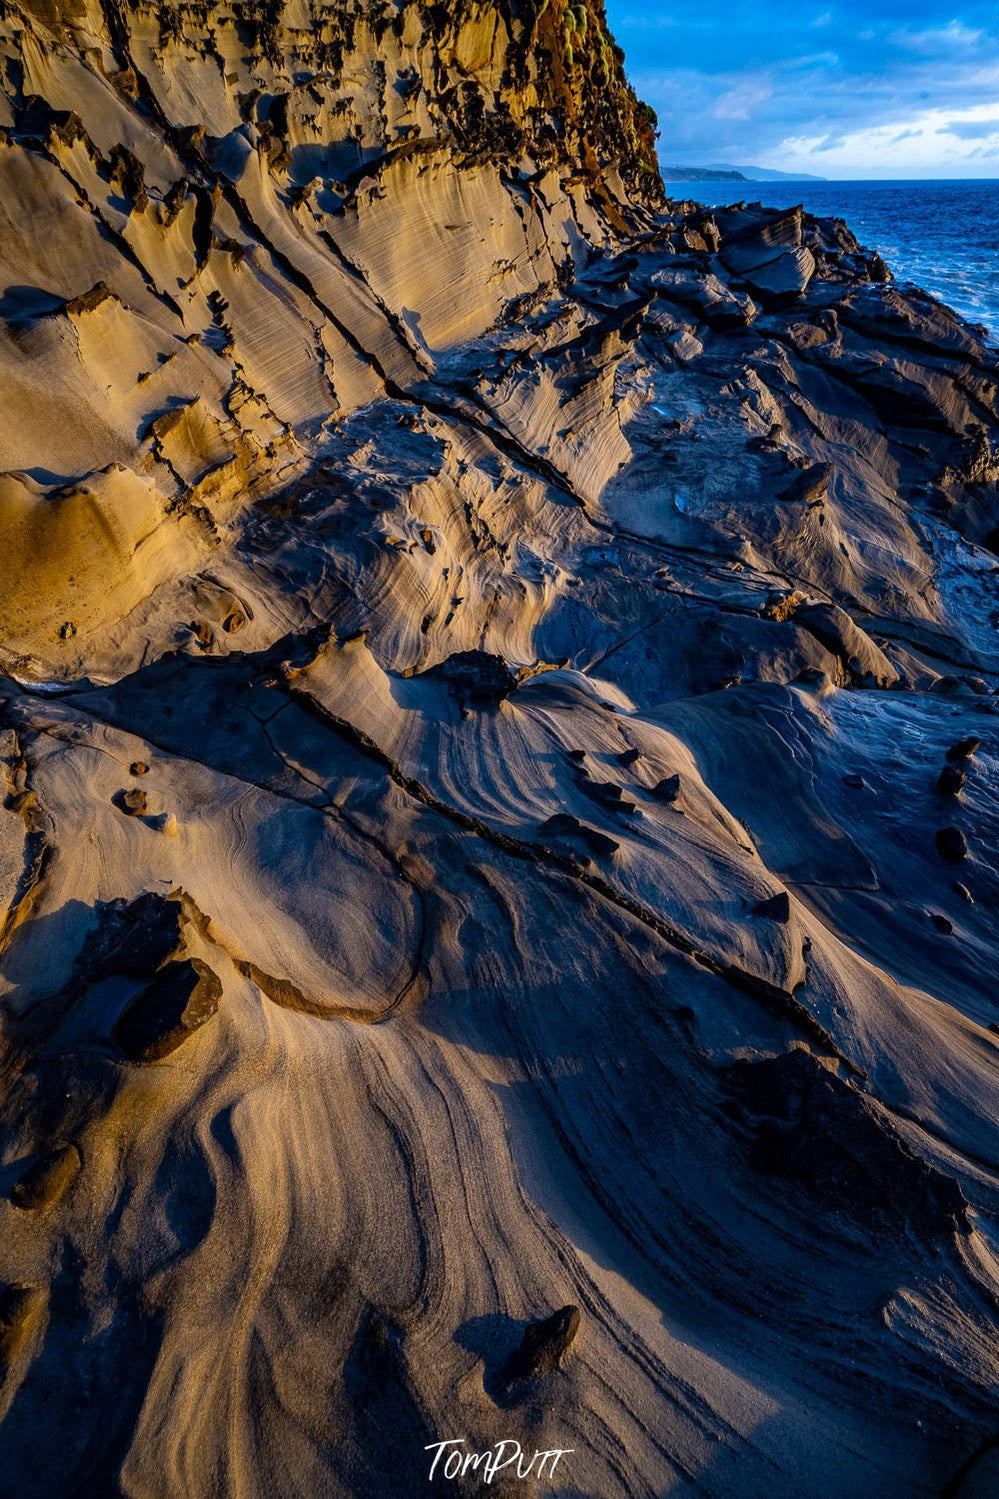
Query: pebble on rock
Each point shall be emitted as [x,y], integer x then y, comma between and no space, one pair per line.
[544,1345]
[133,803]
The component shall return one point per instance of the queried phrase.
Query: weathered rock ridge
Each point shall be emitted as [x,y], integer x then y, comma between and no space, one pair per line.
[500,819]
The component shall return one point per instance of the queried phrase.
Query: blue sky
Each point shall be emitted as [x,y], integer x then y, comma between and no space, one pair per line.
[852,88]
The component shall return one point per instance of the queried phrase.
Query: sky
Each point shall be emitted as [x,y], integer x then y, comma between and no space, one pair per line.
[848,88]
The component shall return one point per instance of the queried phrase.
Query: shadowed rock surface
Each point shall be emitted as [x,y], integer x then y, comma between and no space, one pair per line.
[20,1310]
[544,637]
[46,1179]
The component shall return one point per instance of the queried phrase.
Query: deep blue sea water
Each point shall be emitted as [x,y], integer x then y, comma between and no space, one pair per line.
[944,236]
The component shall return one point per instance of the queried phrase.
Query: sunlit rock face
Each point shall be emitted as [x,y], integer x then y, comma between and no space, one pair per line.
[224,227]
[499,829]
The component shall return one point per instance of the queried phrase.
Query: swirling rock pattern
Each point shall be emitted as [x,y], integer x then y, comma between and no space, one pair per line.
[483,954]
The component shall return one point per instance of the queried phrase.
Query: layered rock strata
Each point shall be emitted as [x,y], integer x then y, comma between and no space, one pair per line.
[490,948]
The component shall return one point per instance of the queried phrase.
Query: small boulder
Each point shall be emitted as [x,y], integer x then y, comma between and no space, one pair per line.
[543,1346]
[608,794]
[562,825]
[477,676]
[135,937]
[629,757]
[950,781]
[811,487]
[775,908]
[133,803]
[952,845]
[963,749]
[181,998]
[668,789]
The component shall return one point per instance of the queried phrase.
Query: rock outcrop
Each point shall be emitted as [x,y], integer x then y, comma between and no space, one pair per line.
[499,675]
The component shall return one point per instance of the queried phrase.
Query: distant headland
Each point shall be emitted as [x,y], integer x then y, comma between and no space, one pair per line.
[733,174]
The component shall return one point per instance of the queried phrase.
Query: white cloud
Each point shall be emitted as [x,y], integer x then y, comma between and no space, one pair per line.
[738,103]
[923,144]
[935,39]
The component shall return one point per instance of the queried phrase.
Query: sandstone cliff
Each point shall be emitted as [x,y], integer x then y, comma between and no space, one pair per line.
[499,837]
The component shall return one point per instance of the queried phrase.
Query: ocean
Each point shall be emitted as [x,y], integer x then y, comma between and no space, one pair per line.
[944,236]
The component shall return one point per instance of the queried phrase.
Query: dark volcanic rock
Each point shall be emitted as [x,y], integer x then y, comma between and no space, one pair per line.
[478,676]
[608,794]
[181,998]
[563,825]
[133,937]
[543,1347]
[604,791]
[810,487]
[775,908]
[950,781]
[952,845]
[964,748]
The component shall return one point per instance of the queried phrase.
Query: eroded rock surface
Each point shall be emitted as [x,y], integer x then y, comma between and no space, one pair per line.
[545,640]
